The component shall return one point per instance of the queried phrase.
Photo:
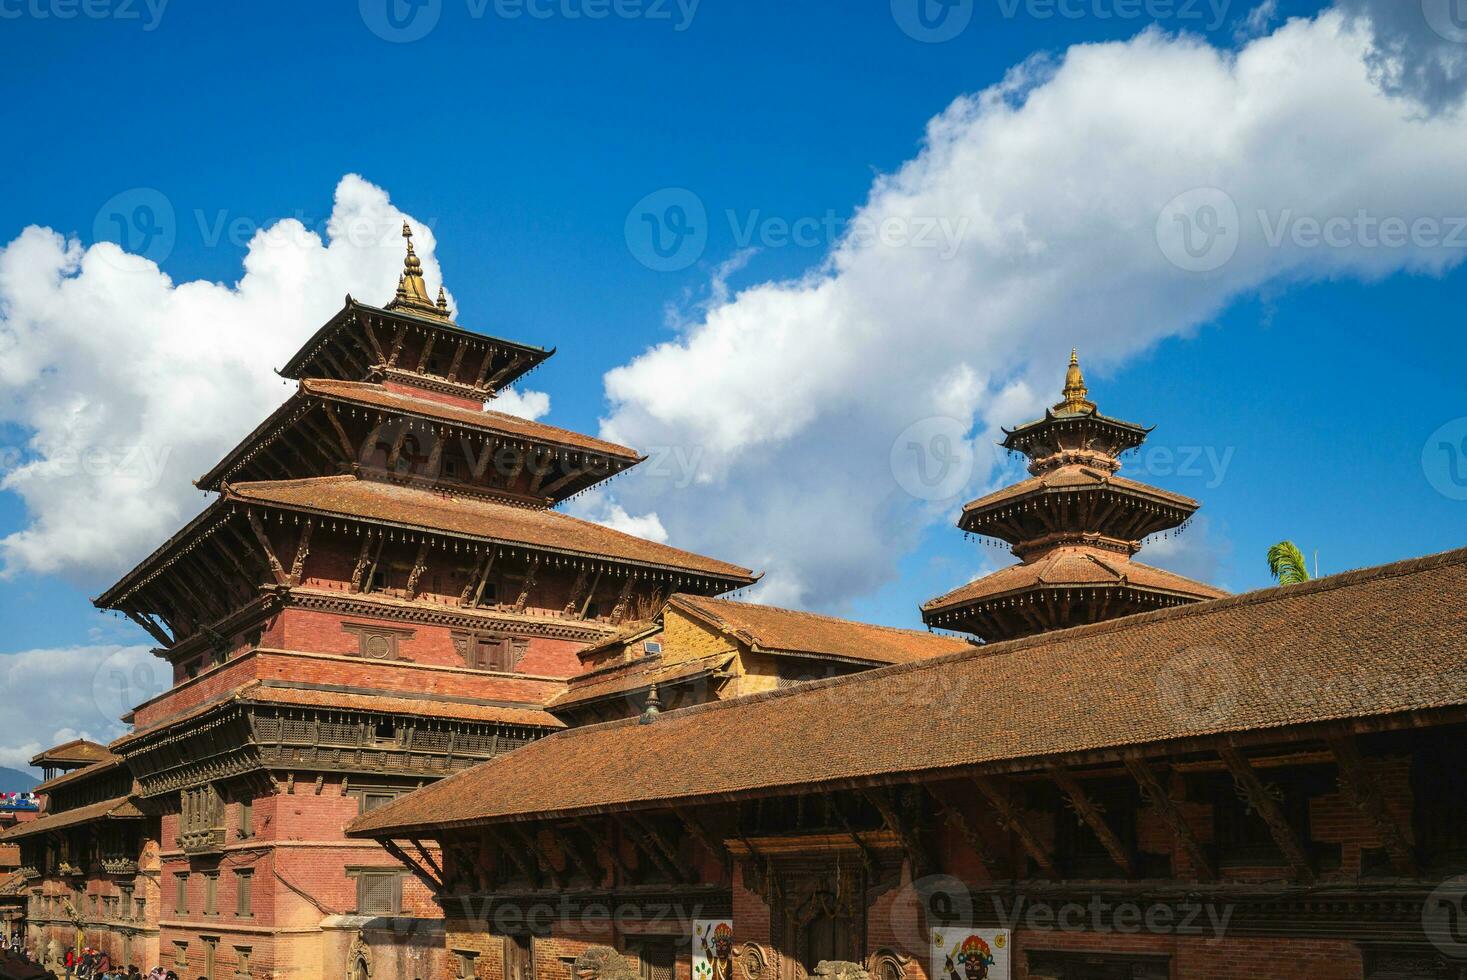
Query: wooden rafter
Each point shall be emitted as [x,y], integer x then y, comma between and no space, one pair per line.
[364,558]
[1015,821]
[572,852]
[531,872]
[701,834]
[328,410]
[147,622]
[1166,808]
[649,830]
[1262,802]
[1093,817]
[397,340]
[1362,790]
[953,811]
[604,844]
[868,857]
[264,542]
[906,833]
[531,842]
[634,833]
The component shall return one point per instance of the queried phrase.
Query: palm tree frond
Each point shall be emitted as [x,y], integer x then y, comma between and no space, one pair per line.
[1287,565]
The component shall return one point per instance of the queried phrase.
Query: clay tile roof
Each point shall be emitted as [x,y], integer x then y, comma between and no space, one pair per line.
[374,395]
[1076,566]
[77,752]
[488,520]
[634,677]
[1077,477]
[1388,641]
[119,809]
[107,764]
[260,692]
[775,630]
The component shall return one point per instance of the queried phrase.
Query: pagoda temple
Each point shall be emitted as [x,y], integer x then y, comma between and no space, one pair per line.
[1074,525]
[380,594]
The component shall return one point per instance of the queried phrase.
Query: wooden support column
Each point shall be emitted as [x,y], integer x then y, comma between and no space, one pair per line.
[1263,803]
[1093,817]
[1363,792]
[954,814]
[1014,820]
[529,583]
[1156,795]
[302,549]
[364,558]
[420,565]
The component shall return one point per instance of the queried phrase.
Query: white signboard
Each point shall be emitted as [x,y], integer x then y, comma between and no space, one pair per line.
[712,949]
[960,953]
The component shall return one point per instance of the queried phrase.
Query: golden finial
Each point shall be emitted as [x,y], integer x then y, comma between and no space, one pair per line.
[1075,391]
[412,291]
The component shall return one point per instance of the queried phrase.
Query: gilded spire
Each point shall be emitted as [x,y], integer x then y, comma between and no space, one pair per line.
[412,291]
[1075,391]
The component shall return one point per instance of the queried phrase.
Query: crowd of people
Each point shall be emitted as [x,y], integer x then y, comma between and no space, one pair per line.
[88,964]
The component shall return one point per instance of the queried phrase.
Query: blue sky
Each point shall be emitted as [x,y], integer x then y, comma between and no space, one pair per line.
[523,142]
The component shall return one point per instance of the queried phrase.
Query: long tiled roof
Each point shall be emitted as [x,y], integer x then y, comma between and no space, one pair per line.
[376,396]
[777,630]
[1387,641]
[1076,567]
[119,809]
[489,520]
[636,676]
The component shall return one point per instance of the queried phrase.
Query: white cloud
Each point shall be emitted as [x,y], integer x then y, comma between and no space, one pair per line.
[602,510]
[131,385]
[527,405]
[789,397]
[1418,48]
[50,696]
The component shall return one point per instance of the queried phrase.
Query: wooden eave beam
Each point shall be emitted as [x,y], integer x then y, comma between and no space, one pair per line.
[1014,821]
[531,872]
[1263,803]
[1093,817]
[604,844]
[146,622]
[634,833]
[1362,791]
[392,848]
[1161,801]
[650,832]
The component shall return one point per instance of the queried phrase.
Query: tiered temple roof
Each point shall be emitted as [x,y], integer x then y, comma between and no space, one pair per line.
[388,438]
[1074,524]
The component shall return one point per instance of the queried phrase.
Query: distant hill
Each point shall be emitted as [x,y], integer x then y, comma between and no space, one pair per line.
[15,781]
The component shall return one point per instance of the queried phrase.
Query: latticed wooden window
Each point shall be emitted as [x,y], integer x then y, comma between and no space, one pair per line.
[489,651]
[180,902]
[211,893]
[379,892]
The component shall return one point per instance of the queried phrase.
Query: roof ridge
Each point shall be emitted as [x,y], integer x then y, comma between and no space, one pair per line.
[1204,607]
[805,613]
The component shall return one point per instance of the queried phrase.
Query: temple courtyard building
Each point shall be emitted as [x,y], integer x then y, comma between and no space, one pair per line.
[1134,777]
